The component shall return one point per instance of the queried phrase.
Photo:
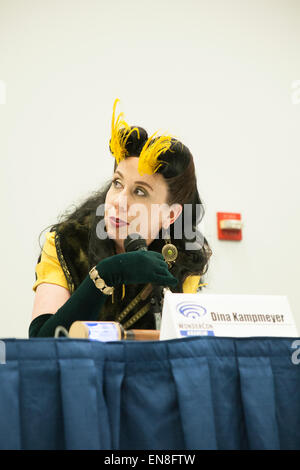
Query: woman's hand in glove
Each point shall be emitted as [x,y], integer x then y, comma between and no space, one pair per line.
[136,267]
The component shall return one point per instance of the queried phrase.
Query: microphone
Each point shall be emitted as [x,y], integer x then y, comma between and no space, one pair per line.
[133,242]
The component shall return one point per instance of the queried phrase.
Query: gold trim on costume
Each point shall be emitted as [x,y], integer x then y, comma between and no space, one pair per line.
[137,316]
[143,294]
[63,263]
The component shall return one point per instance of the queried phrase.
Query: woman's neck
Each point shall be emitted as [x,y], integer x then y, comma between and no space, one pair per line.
[119,249]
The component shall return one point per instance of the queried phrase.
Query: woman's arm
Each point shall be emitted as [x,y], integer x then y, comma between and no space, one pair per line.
[49,298]
[63,309]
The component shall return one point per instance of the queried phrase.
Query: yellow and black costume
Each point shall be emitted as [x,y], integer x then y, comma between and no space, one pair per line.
[71,250]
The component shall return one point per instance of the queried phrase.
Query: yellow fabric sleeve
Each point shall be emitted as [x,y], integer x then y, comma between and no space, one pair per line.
[49,268]
[190,284]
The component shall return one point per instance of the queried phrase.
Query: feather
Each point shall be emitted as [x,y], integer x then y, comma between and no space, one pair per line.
[151,151]
[120,131]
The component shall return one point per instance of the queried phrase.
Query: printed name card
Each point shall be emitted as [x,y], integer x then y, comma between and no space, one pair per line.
[186,315]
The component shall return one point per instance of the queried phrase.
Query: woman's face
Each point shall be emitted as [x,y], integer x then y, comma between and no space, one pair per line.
[139,201]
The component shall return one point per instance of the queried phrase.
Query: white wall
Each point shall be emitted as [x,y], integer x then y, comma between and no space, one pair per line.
[217,74]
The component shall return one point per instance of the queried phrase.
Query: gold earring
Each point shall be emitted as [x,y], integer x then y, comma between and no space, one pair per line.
[169,252]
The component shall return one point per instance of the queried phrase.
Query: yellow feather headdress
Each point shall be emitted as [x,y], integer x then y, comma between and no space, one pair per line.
[152,149]
[120,131]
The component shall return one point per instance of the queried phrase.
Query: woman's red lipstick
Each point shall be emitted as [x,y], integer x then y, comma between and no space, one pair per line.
[117,222]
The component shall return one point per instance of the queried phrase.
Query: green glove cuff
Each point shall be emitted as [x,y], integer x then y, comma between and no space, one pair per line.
[83,305]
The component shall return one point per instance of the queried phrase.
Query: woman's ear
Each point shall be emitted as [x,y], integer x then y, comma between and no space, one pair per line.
[173,213]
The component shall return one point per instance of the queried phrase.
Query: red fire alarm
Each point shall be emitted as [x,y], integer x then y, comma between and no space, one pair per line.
[229,226]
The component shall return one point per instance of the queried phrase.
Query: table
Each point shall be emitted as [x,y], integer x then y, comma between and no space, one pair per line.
[192,393]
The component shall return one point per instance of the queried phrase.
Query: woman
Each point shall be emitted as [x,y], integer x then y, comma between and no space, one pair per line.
[84,272]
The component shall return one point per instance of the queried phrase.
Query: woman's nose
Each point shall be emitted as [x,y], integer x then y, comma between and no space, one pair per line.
[121,201]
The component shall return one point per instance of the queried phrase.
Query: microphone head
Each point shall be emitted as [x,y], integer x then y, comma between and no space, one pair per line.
[133,242]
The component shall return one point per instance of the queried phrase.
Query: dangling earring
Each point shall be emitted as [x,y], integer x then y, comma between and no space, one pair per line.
[169,252]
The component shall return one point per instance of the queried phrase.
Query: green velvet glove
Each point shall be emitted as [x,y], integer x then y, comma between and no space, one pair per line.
[136,267]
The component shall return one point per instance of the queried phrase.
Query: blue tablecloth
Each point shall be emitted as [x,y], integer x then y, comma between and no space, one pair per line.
[193,393]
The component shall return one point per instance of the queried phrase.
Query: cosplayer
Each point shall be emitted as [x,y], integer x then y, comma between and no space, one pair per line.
[85,259]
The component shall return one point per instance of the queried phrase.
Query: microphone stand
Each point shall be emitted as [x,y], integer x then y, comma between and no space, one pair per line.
[156,305]
[134,242]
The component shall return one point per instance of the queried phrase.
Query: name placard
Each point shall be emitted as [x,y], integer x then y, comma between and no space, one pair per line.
[186,315]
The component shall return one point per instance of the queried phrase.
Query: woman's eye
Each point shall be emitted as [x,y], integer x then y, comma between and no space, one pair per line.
[115,183]
[142,191]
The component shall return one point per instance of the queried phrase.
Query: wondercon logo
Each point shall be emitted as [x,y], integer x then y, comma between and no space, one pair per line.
[191,310]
